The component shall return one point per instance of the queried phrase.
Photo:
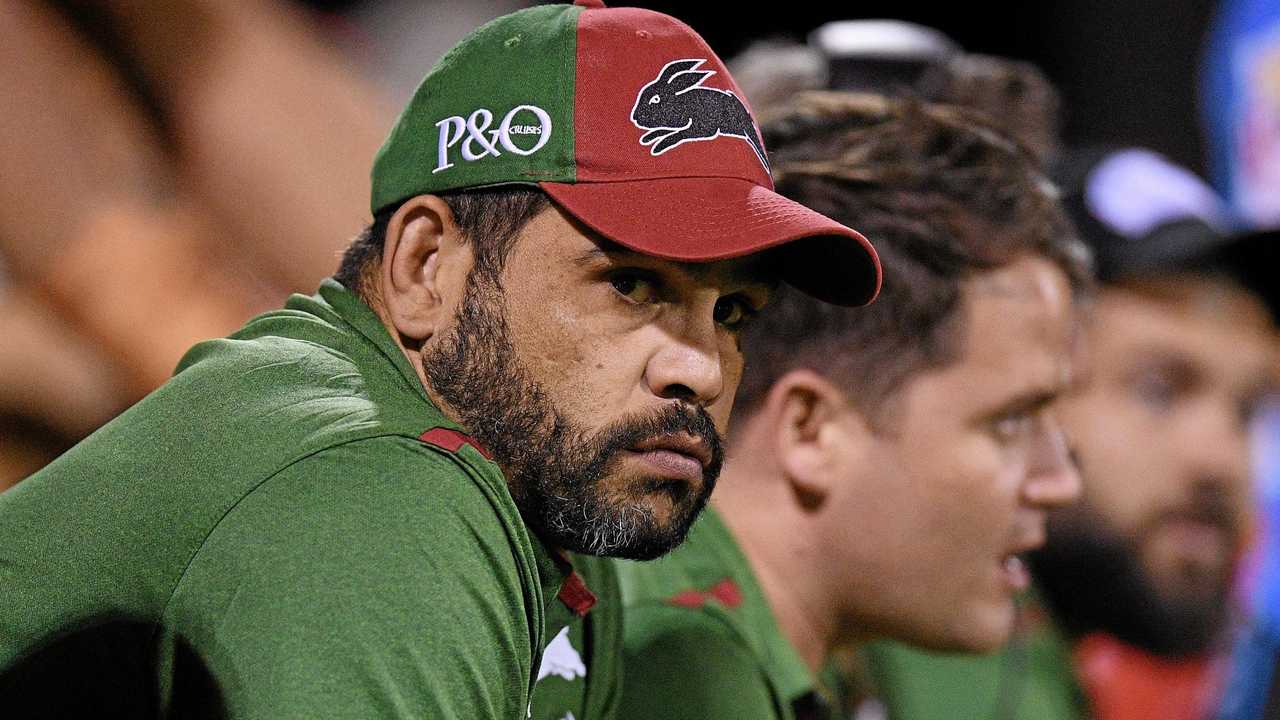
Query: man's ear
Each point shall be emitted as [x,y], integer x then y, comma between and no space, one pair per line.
[425,262]
[814,430]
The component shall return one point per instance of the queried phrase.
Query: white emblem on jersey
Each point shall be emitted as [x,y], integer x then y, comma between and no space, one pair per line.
[561,659]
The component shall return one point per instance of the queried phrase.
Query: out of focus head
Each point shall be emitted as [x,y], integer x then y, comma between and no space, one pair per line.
[573,221]
[904,59]
[917,437]
[1178,355]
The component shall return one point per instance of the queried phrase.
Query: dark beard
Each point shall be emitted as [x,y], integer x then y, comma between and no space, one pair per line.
[554,467]
[1093,580]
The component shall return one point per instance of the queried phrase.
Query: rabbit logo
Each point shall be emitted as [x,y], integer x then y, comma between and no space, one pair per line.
[675,108]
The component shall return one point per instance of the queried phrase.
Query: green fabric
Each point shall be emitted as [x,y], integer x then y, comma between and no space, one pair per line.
[713,660]
[271,515]
[525,58]
[1031,679]
[597,638]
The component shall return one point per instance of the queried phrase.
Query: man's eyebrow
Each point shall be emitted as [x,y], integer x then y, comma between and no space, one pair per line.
[604,250]
[1028,401]
[1262,384]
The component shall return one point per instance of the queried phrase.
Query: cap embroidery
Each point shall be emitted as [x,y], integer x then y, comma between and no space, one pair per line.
[475,126]
[676,108]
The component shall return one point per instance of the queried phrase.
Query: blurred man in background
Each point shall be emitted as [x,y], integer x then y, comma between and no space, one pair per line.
[1134,584]
[890,467]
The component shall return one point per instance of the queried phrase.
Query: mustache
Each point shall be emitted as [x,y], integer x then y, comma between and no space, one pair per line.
[1206,505]
[671,419]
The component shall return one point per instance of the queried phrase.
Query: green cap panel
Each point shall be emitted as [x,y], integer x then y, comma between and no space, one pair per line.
[498,108]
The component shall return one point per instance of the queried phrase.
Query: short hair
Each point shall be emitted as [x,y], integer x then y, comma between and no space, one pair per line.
[1015,96]
[941,195]
[489,218]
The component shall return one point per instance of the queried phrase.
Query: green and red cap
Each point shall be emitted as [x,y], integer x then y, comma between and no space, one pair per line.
[630,123]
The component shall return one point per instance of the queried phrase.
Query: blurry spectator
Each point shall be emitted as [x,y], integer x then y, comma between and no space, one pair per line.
[167,175]
[881,56]
[55,387]
[1240,103]
[891,464]
[1134,583]
[771,72]
[1252,691]
[898,58]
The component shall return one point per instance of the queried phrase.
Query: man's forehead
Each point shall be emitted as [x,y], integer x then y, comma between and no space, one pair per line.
[1019,330]
[1207,324]
[1209,298]
[1015,351]
[1028,277]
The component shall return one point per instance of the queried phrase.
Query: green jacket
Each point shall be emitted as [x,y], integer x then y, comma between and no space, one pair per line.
[701,640]
[289,528]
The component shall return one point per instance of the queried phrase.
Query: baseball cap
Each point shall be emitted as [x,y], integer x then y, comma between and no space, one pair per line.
[1144,215]
[630,123]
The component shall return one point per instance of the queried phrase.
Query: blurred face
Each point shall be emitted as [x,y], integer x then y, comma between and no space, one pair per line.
[1176,370]
[601,380]
[957,483]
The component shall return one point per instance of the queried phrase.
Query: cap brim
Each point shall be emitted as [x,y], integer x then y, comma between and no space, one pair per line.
[707,219]
[1254,257]
[1251,258]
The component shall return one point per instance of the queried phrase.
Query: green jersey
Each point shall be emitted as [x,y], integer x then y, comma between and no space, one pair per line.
[701,640]
[289,528]
[1031,679]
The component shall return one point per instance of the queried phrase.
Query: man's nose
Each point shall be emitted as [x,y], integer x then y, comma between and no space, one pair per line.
[1053,479]
[688,366]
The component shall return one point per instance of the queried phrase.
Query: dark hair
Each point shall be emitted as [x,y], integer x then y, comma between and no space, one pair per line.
[1013,95]
[489,218]
[941,195]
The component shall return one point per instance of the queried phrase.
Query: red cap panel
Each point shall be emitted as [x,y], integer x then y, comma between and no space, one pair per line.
[692,118]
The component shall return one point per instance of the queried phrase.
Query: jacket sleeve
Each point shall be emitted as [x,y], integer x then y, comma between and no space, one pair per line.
[370,580]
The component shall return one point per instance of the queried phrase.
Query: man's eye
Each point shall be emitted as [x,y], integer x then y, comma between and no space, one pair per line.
[1008,428]
[634,287]
[732,312]
[1155,391]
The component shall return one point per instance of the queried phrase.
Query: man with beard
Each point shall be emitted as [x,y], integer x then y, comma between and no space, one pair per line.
[371,503]
[890,466]
[1134,582]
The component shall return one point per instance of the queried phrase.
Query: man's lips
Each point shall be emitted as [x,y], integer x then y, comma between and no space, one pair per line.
[678,457]
[681,444]
[1013,567]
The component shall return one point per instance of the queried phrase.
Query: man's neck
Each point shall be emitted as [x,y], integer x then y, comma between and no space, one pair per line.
[785,566]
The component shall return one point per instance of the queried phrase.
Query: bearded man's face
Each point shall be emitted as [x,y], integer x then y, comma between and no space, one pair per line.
[601,381]
[1176,367]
